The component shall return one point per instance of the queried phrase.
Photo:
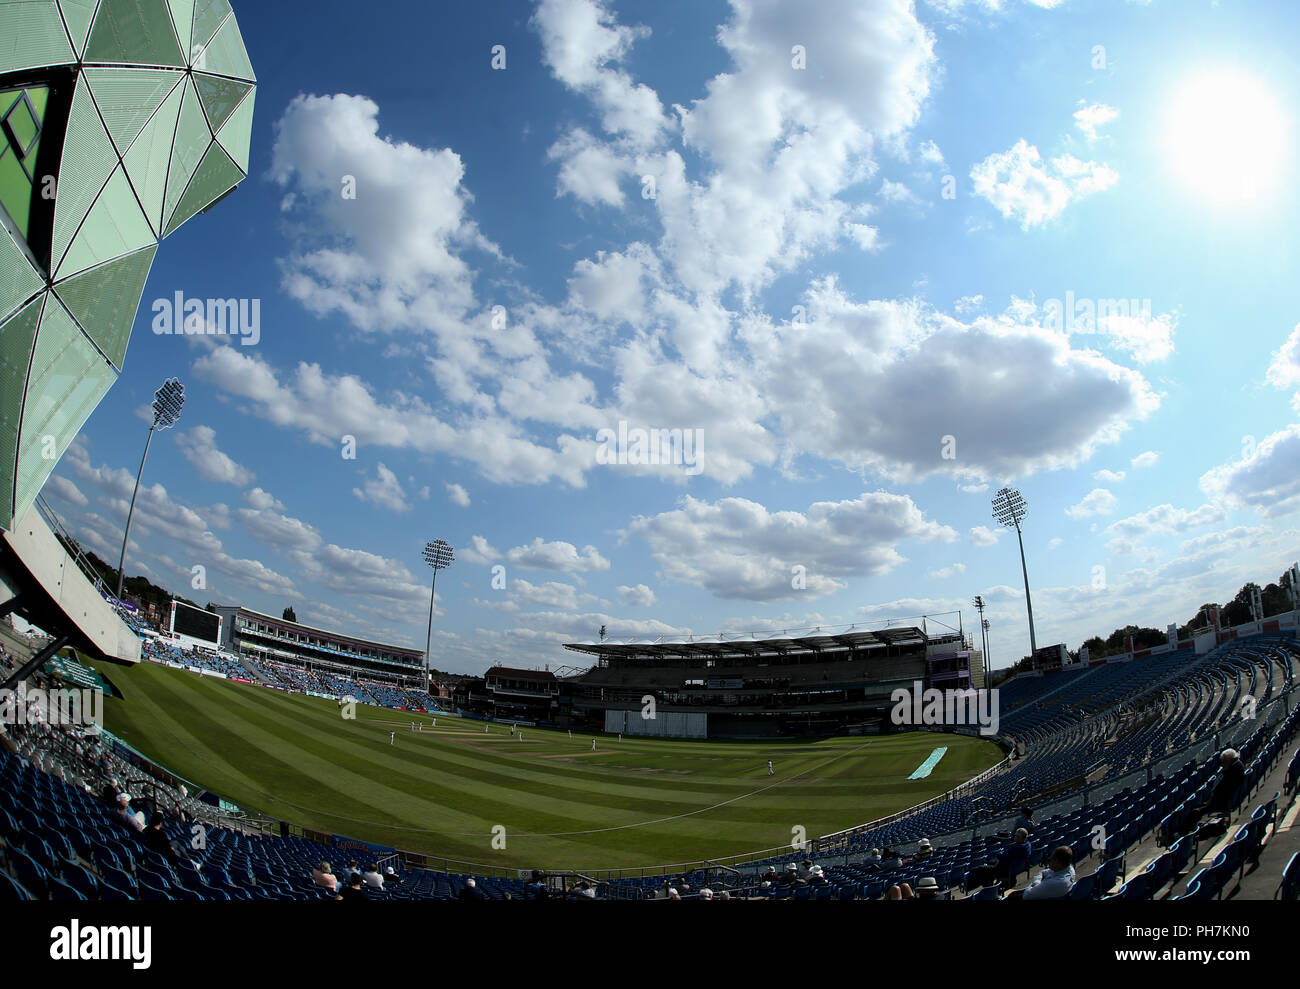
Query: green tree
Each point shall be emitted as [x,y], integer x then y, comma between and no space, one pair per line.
[289,615]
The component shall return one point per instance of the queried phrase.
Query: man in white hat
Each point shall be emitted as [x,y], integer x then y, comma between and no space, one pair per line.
[927,888]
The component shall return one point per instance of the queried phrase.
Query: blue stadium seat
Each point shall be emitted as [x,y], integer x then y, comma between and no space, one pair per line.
[62,892]
[11,890]
[1106,874]
[1289,888]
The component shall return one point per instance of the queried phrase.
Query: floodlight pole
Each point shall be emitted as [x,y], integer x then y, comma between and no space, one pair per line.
[121,560]
[428,639]
[984,636]
[438,554]
[1029,604]
[168,401]
[987,667]
[1008,509]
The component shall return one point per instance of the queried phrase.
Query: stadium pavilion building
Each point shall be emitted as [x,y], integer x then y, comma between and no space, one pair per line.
[253,635]
[119,121]
[824,682]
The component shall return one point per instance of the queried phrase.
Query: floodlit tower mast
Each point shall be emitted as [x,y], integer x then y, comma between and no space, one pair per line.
[439,555]
[167,404]
[1010,509]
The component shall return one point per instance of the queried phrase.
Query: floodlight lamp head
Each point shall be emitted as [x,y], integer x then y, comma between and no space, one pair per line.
[167,403]
[1009,507]
[438,554]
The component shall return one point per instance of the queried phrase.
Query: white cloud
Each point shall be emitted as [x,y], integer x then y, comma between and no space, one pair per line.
[1091,116]
[737,549]
[639,596]
[982,535]
[389,258]
[1284,370]
[589,170]
[199,446]
[1128,534]
[1099,501]
[361,574]
[1145,337]
[1109,476]
[479,551]
[552,594]
[260,500]
[1025,188]
[326,407]
[853,398]
[1147,459]
[61,487]
[385,490]
[457,495]
[1266,478]
[581,42]
[560,556]
[943,573]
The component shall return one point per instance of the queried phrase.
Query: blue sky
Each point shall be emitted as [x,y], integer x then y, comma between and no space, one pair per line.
[825,238]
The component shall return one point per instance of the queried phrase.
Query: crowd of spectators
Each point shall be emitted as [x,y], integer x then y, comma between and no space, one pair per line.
[287,677]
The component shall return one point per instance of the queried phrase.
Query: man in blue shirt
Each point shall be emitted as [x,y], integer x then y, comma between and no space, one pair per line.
[1056,881]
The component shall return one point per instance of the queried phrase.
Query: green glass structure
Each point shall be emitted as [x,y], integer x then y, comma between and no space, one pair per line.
[119,121]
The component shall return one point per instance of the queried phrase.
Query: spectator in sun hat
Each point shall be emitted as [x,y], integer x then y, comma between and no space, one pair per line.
[923,849]
[471,891]
[791,875]
[706,894]
[125,815]
[872,858]
[816,876]
[391,876]
[927,888]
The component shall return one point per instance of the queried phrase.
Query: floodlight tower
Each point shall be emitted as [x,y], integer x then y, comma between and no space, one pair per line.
[1009,509]
[439,555]
[984,630]
[167,404]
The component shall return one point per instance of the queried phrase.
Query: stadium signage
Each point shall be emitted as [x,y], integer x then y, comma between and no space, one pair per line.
[65,707]
[948,708]
[209,317]
[75,943]
[646,447]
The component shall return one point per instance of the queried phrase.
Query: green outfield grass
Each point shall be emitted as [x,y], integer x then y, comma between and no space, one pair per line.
[633,803]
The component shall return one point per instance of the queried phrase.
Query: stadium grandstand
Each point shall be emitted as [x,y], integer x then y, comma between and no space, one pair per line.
[1128,749]
[270,652]
[814,682]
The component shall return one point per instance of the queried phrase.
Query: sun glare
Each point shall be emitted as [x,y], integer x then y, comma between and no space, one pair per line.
[1226,139]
